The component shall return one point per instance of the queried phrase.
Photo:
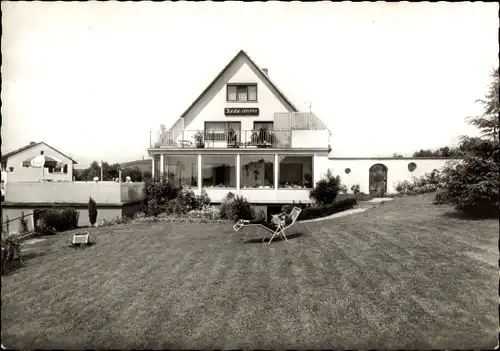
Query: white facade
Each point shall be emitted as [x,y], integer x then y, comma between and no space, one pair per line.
[15,172]
[397,169]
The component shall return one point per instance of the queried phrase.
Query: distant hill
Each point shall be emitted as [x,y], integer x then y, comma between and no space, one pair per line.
[143,165]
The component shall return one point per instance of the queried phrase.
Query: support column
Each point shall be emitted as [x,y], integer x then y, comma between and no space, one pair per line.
[153,167]
[200,173]
[162,165]
[238,173]
[276,174]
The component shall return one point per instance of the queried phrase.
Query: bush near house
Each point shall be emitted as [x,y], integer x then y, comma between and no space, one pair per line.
[58,220]
[236,207]
[11,251]
[428,183]
[187,201]
[163,197]
[23,225]
[313,212]
[158,194]
[326,190]
[355,189]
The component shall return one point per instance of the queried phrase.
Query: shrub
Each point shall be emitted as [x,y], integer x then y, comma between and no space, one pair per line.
[343,189]
[58,220]
[236,207]
[326,190]
[428,183]
[355,189]
[11,251]
[363,197]
[327,210]
[158,194]
[7,225]
[225,206]
[203,199]
[261,215]
[207,213]
[186,201]
[92,211]
[109,222]
[23,225]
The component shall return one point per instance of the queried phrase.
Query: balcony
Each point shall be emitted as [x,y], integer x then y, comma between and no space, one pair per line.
[216,139]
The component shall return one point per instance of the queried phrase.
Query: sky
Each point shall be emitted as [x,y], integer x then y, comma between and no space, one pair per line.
[93,78]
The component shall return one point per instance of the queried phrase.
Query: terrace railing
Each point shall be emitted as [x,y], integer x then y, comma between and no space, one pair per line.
[223,139]
[283,139]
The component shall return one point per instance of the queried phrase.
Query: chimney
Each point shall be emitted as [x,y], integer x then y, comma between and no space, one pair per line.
[32,142]
[266,71]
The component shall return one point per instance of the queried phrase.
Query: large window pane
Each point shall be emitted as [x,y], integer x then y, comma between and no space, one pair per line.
[295,172]
[231,92]
[219,171]
[257,171]
[182,170]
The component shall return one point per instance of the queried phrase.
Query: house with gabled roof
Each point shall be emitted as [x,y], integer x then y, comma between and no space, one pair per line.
[16,164]
[243,135]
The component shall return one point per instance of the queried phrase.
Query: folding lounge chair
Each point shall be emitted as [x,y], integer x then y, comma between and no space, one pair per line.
[280,221]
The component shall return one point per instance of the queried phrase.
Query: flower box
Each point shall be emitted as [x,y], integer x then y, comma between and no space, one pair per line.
[81,238]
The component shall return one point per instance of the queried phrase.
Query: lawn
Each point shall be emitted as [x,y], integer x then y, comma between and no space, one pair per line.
[406,275]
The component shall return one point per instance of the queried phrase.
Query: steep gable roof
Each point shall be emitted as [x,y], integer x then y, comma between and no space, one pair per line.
[266,77]
[29,146]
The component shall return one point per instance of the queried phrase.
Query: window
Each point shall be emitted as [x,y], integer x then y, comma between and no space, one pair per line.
[217,131]
[412,166]
[347,170]
[181,170]
[263,125]
[219,171]
[295,171]
[257,171]
[242,92]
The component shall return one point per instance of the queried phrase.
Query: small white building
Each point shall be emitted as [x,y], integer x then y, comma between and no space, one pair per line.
[243,135]
[16,164]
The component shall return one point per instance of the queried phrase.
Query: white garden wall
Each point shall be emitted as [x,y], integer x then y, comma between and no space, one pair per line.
[397,169]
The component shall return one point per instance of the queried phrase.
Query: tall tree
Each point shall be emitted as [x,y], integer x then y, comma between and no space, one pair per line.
[472,184]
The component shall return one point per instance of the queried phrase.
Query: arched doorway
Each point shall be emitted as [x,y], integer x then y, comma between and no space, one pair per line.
[378,180]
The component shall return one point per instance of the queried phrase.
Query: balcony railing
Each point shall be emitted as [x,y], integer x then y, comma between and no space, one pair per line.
[241,139]
[223,139]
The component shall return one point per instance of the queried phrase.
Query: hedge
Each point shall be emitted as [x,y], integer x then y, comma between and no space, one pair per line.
[327,210]
[58,220]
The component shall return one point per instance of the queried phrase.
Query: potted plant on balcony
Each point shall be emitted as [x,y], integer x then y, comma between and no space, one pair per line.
[200,142]
[231,138]
[262,138]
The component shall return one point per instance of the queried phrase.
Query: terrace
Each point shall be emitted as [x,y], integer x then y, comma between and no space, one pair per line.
[286,131]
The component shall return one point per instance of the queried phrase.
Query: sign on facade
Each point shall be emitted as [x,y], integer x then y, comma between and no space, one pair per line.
[246,111]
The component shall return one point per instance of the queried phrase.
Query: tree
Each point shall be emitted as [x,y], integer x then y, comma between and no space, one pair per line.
[92,211]
[445,151]
[396,155]
[471,185]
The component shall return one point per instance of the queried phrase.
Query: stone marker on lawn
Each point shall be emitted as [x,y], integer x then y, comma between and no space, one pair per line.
[81,238]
